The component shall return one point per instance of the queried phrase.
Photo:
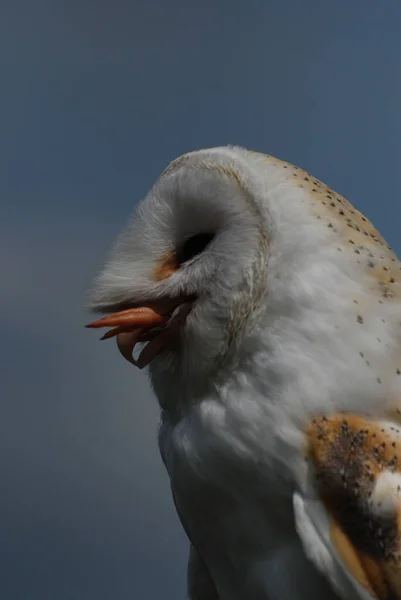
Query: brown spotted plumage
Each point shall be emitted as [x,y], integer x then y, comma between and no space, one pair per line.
[348,454]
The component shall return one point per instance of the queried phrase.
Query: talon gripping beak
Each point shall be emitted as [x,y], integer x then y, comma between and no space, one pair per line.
[129,326]
[144,324]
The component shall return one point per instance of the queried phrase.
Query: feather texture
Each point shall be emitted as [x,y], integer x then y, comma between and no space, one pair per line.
[297,319]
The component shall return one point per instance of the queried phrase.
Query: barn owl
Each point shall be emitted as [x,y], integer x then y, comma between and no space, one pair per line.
[269,314]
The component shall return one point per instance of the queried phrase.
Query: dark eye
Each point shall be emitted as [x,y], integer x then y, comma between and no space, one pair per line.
[193,246]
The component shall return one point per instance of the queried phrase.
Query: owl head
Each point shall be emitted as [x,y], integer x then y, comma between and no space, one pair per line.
[230,253]
[189,272]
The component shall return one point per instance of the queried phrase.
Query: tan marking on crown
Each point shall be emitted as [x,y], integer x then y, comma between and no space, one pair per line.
[353,230]
[348,453]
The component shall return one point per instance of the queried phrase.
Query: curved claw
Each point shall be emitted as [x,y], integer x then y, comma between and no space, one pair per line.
[126,342]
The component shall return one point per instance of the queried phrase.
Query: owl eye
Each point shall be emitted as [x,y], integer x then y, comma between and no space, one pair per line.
[193,246]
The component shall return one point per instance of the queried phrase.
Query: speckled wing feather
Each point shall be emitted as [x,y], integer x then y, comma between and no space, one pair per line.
[356,466]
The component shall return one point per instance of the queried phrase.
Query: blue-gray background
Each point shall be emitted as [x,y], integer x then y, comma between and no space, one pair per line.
[96,98]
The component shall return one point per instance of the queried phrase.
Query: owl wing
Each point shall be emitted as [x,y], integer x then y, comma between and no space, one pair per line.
[349,515]
[199,581]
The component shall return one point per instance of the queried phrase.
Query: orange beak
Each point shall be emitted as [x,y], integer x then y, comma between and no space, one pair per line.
[145,324]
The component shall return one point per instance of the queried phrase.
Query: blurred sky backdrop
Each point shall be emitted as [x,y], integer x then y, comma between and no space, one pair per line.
[96,98]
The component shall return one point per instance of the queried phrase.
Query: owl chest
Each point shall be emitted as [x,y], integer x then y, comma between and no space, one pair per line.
[226,480]
[238,515]
[228,451]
